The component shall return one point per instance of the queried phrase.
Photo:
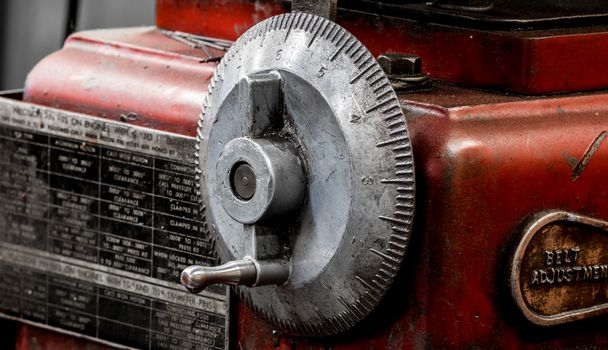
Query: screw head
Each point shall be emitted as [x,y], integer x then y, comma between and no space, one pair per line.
[242,181]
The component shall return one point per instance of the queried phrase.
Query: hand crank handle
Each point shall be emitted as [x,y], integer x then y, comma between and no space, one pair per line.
[246,272]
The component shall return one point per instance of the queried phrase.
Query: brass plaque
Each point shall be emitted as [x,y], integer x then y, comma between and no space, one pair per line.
[559,272]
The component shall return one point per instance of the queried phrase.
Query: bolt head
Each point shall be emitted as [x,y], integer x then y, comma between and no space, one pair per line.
[242,181]
[400,64]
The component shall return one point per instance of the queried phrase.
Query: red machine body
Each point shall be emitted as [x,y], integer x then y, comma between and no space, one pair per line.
[485,161]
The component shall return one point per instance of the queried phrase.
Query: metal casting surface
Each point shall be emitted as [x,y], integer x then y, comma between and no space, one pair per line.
[559,272]
[328,113]
[521,150]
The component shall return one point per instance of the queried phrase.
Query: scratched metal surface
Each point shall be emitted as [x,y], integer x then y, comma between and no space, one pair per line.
[483,167]
[482,171]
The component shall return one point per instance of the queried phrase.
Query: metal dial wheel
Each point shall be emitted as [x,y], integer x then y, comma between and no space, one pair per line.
[306,174]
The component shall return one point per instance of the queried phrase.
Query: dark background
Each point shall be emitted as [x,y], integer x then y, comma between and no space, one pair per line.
[32,29]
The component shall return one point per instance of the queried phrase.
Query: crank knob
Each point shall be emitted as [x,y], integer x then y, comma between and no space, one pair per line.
[250,273]
[239,272]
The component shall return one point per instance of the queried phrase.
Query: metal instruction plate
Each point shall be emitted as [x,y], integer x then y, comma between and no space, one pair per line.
[560,268]
[97,220]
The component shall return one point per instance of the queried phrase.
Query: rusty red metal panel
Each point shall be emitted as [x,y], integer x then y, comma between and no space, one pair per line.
[526,62]
[482,170]
[487,169]
[124,74]
[485,162]
[220,19]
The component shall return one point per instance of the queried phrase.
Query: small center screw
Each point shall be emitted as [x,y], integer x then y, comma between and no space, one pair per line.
[242,181]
